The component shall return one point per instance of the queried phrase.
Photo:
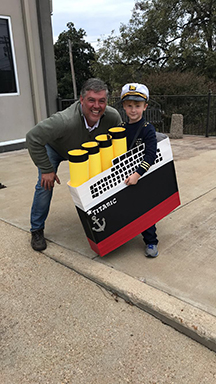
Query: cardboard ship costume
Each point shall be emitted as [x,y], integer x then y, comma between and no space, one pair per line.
[104,202]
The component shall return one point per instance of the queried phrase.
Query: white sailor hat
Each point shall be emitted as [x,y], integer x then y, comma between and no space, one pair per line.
[135,91]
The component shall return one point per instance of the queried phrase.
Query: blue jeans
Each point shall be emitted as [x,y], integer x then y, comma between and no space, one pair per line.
[42,197]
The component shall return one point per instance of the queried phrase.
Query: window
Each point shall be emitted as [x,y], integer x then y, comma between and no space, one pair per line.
[8,73]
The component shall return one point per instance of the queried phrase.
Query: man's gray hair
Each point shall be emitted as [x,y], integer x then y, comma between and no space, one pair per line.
[94,84]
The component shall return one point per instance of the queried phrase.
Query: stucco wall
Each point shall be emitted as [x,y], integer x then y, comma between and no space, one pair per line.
[18,113]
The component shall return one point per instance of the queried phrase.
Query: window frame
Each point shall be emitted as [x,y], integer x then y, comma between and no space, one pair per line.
[8,18]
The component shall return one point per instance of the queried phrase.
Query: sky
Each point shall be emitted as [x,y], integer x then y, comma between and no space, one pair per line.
[97,17]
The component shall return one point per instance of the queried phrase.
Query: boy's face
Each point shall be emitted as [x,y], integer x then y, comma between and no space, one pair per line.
[134,109]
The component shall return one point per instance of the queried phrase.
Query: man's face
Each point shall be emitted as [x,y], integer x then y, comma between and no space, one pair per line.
[93,106]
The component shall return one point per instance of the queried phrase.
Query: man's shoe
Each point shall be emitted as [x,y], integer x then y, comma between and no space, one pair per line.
[38,241]
[151,250]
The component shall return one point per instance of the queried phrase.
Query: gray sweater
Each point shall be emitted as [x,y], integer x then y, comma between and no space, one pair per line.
[64,131]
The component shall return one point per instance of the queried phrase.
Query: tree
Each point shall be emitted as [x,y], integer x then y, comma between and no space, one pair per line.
[165,35]
[83,56]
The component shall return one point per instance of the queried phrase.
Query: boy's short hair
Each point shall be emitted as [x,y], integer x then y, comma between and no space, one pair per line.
[135,91]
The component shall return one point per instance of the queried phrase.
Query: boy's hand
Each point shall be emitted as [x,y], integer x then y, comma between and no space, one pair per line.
[132,179]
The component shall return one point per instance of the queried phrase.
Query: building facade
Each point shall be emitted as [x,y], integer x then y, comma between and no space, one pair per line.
[28,87]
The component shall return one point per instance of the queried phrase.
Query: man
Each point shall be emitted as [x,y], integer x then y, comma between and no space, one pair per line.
[50,140]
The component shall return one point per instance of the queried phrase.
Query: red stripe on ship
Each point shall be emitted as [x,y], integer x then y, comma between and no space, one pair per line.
[137,226]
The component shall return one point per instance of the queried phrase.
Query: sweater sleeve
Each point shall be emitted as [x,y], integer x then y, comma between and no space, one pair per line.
[149,138]
[39,136]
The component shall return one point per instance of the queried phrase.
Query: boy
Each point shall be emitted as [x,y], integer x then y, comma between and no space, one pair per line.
[135,97]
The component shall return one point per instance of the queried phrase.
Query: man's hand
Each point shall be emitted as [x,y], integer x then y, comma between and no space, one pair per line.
[48,180]
[132,179]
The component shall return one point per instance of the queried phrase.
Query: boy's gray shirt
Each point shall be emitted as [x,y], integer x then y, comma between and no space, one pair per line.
[64,131]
